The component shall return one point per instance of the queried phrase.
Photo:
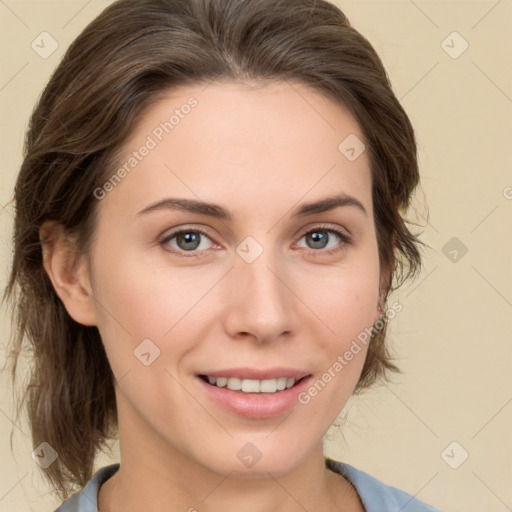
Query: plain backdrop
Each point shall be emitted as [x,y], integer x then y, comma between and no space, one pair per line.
[442,429]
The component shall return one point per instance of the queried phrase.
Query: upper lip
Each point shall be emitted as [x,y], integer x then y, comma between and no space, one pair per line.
[257,373]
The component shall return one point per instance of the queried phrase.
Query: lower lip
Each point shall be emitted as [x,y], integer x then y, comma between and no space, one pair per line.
[256,405]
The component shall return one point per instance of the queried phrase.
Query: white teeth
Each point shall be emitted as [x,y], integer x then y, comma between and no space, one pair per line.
[253,385]
[268,386]
[234,384]
[281,383]
[250,386]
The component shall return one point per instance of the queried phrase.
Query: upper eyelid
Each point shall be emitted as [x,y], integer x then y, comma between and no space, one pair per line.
[173,232]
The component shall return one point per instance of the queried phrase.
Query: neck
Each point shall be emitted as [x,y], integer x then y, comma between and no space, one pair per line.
[154,476]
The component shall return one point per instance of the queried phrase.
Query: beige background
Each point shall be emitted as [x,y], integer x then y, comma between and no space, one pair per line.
[453,335]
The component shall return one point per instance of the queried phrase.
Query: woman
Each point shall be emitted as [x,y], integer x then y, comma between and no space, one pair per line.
[208,225]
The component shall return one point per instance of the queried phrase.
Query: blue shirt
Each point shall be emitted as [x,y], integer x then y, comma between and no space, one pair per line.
[375,495]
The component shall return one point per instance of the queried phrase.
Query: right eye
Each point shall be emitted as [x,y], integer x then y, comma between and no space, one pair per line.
[186,241]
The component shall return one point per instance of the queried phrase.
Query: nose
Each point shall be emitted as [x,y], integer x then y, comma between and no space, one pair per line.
[260,304]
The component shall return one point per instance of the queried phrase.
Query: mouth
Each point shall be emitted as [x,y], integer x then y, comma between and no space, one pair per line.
[255,394]
[253,385]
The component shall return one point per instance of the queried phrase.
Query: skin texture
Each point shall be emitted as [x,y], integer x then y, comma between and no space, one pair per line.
[258,150]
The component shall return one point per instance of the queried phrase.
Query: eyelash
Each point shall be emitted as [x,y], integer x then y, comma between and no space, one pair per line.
[345,240]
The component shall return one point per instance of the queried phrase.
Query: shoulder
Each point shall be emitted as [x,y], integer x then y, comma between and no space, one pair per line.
[87,499]
[376,495]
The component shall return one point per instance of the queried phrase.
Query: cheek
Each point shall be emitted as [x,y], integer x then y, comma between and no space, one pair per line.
[139,300]
[344,299]
[346,309]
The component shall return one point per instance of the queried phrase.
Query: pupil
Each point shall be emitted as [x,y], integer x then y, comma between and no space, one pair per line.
[191,240]
[319,239]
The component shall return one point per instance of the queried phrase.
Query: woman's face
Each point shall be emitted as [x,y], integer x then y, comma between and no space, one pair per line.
[254,291]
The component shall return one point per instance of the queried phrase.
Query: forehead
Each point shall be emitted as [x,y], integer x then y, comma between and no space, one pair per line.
[271,143]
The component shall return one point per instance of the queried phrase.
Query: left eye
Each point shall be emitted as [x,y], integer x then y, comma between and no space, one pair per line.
[320,238]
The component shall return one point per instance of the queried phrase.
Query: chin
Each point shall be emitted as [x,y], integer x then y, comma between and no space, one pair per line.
[256,458]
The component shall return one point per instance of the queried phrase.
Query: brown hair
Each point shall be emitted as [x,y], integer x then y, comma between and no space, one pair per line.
[134,50]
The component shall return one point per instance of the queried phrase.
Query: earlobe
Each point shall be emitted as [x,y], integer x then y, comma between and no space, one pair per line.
[68,271]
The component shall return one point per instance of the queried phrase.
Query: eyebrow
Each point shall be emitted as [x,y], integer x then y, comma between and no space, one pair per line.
[217,211]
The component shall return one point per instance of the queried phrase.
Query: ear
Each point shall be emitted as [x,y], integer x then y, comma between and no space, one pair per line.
[68,271]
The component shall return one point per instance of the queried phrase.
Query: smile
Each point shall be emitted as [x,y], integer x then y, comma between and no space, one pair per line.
[251,385]
[254,393]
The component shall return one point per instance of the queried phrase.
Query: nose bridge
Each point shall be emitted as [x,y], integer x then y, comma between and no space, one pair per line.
[261,304]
